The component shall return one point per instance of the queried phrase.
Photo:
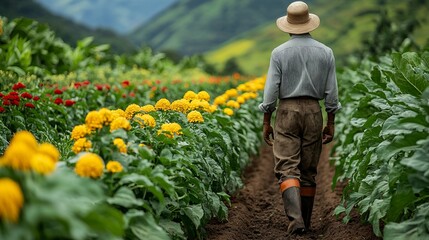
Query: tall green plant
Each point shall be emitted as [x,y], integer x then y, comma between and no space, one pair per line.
[386,125]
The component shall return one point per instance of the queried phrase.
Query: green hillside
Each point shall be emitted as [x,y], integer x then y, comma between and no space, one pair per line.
[196,26]
[69,31]
[344,25]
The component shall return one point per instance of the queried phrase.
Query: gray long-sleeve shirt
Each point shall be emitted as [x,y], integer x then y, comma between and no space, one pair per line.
[301,67]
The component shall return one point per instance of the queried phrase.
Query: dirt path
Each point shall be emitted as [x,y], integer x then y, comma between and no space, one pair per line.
[257,210]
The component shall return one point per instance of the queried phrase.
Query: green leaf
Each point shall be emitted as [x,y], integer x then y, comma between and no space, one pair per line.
[143,227]
[195,213]
[125,197]
[174,229]
[104,219]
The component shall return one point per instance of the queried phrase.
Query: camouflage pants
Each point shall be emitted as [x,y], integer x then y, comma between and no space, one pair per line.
[298,140]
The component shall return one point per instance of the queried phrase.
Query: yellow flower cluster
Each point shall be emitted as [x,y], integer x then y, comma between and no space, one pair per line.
[118,113]
[11,200]
[80,131]
[107,115]
[81,145]
[170,129]
[228,111]
[162,104]
[148,108]
[203,95]
[114,167]
[190,95]
[145,120]
[89,165]
[131,110]
[94,120]
[120,122]
[232,104]
[181,105]
[195,117]
[24,153]
[120,144]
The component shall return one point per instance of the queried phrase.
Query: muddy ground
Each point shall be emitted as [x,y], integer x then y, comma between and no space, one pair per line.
[257,210]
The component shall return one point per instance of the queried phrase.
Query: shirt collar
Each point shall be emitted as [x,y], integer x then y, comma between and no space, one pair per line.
[306,35]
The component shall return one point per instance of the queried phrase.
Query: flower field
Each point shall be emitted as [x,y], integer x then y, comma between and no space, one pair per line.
[95,145]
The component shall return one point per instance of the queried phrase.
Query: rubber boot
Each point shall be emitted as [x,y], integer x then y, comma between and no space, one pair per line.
[307,201]
[292,204]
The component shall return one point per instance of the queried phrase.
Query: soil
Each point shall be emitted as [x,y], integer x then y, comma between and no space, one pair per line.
[257,209]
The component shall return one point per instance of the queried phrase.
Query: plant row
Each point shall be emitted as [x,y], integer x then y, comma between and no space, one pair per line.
[155,170]
[383,144]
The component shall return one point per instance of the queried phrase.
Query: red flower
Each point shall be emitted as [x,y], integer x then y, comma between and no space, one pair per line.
[1,95]
[58,91]
[15,102]
[154,88]
[125,83]
[29,105]
[164,89]
[132,94]
[13,94]
[58,101]
[99,87]
[69,103]
[158,81]
[26,95]
[36,98]
[86,82]
[6,102]
[107,86]
[2,109]
[124,95]
[18,85]
[77,85]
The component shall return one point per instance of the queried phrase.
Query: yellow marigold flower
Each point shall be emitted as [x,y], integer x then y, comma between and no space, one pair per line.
[89,165]
[80,131]
[25,137]
[145,120]
[228,111]
[242,87]
[114,167]
[189,95]
[195,117]
[11,200]
[148,108]
[120,122]
[233,104]
[18,155]
[162,104]
[203,95]
[81,145]
[131,110]
[94,120]
[241,100]
[181,105]
[212,108]
[220,100]
[231,92]
[108,116]
[118,113]
[42,163]
[49,150]
[170,129]
[120,144]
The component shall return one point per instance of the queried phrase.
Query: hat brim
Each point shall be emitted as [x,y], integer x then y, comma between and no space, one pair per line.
[309,26]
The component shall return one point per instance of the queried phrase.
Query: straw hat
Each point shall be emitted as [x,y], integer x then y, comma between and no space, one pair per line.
[298,20]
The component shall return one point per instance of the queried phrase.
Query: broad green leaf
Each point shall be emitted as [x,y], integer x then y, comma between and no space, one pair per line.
[124,197]
[195,213]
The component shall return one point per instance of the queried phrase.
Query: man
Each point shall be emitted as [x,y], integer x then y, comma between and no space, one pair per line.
[301,72]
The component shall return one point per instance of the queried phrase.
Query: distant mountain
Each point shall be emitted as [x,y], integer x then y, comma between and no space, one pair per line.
[196,26]
[344,26]
[66,29]
[122,16]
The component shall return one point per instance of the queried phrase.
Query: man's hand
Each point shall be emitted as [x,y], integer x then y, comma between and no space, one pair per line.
[328,133]
[268,130]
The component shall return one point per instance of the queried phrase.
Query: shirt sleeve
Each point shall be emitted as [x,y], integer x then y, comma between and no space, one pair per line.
[271,90]
[332,103]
